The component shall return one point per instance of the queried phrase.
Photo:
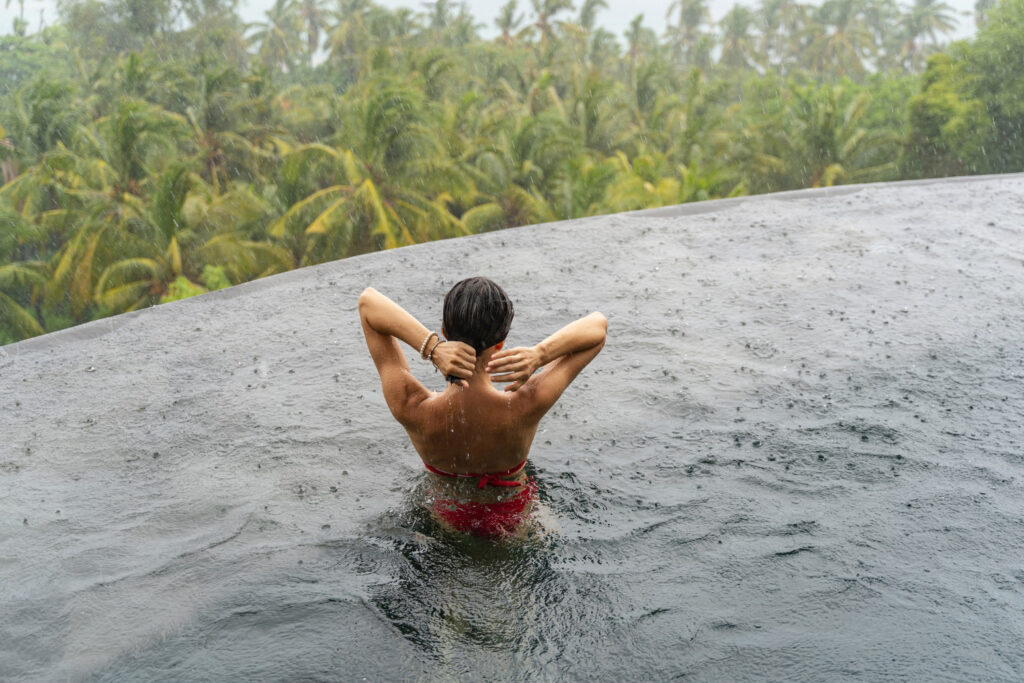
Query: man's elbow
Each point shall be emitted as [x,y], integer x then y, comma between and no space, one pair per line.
[365,297]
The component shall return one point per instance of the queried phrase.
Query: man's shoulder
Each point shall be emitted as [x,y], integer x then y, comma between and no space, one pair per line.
[408,402]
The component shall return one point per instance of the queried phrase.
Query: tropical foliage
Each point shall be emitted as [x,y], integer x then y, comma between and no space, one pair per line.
[155,149]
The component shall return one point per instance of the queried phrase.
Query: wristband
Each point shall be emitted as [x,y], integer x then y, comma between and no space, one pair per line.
[430,356]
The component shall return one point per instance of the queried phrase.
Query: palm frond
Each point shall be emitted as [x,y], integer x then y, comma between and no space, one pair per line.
[19,321]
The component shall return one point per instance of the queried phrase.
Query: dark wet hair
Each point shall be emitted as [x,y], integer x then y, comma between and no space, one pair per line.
[477,312]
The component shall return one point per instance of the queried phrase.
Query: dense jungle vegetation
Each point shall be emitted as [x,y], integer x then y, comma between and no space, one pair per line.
[154,149]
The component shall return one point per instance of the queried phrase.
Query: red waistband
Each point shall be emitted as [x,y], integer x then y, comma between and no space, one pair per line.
[488,478]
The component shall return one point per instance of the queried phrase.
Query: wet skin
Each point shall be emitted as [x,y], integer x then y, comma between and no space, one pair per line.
[473,426]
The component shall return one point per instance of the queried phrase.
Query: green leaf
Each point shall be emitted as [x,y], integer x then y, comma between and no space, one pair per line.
[131,270]
[20,321]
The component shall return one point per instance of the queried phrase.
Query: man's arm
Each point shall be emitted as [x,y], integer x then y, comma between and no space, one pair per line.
[565,353]
[384,323]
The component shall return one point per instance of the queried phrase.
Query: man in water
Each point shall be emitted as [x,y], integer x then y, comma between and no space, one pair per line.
[474,437]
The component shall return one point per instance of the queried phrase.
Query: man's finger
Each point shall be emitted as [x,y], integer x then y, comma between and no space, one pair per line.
[508,364]
[505,353]
[504,359]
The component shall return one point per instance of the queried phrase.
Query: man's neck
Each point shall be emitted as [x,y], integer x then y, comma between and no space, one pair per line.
[481,378]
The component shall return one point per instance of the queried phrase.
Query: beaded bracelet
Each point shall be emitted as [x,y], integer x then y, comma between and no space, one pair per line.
[423,346]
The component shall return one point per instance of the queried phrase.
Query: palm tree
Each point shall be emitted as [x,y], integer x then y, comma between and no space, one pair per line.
[278,36]
[512,207]
[588,13]
[604,49]
[880,17]
[686,33]
[648,180]
[545,11]
[358,213]
[845,42]
[737,43]
[520,167]
[439,15]
[798,31]
[175,250]
[20,25]
[825,142]
[136,281]
[925,18]
[463,29]
[637,37]
[43,114]
[389,188]
[314,17]
[650,95]
[96,192]
[777,21]
[981,10]
[350,38]
[596,110]
[934,17]
[214,30]
[404,23]
[226,128]
[21,8]
[508,23]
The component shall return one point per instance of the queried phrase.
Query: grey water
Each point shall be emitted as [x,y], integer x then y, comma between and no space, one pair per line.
[798,457]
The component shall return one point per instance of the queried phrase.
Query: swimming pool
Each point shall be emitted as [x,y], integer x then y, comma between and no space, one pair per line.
[799,456]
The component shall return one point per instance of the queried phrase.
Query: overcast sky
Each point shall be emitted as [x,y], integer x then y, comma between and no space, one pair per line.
[616,18]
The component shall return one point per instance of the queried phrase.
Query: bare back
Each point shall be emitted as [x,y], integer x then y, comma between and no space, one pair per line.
[473,427]
[474,430]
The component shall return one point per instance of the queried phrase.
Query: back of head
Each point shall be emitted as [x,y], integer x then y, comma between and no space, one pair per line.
[477,312]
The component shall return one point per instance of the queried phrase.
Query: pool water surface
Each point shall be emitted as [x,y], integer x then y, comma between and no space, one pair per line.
[798,457]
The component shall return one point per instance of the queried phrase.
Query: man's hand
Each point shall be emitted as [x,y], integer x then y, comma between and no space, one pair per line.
[514,365]
[455,359]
